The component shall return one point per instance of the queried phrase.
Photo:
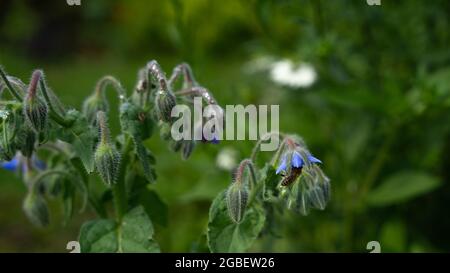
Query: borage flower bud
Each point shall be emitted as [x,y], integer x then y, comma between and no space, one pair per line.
[34,109]
[237,197]
[237,193]
[8,130]
[26,139]
[107,158]
[165,101]
[36,208]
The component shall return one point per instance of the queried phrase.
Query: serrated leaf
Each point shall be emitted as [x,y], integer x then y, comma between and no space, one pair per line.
[226,236]
[401,187]
[82,136]
[134,234]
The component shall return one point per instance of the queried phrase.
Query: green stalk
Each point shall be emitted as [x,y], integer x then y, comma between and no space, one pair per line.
[103,83]
[10,87]
[265,137]
[53,114]
[119,189]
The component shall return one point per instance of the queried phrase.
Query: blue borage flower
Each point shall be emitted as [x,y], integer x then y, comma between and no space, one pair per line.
[214,140]
[304,185]
[296,161]
[11,165]
[17,163]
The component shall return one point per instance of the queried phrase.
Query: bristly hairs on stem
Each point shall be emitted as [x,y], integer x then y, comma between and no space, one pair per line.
[32,88]
[199,91]
[11,89]
[184,70]
[34,110]
[237,195]
[265,137]
[245,164]
[103,127]
[104,82]
[52,112]
[15,82]
[107,158]
[156,75]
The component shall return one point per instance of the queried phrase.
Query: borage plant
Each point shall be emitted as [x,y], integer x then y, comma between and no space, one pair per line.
[54,149]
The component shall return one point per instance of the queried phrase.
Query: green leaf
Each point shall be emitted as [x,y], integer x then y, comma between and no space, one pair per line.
[82,136]
[99,236]
[134,234]
[155,208]
[401,187]
[137,232]
[271,181]
[138,125]
[144,157]
[226,236]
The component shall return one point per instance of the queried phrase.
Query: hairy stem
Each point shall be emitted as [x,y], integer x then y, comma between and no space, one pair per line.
[103,127]
[265,137]
[119,189]
[182,70]
[38,76]
[10,87]
[255,187]
[104,82]
[197,91]
[246,164]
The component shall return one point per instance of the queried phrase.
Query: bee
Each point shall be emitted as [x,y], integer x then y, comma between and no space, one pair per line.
[291,177]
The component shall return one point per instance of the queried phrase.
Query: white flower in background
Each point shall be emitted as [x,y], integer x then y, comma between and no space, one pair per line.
[227,159]
[285,72]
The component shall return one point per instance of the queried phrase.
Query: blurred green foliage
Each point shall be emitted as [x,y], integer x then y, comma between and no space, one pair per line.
[378,116]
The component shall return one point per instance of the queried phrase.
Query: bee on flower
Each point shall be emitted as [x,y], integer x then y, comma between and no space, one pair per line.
[303,184]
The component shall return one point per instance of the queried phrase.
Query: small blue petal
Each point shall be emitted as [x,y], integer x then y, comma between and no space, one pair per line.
[10,165]
[282,166]
[297,160]
[215,140]
[312,159]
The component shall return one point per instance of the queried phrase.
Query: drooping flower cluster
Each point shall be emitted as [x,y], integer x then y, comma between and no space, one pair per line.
[153,82]
[304,185]
[35,120]
[298,181]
